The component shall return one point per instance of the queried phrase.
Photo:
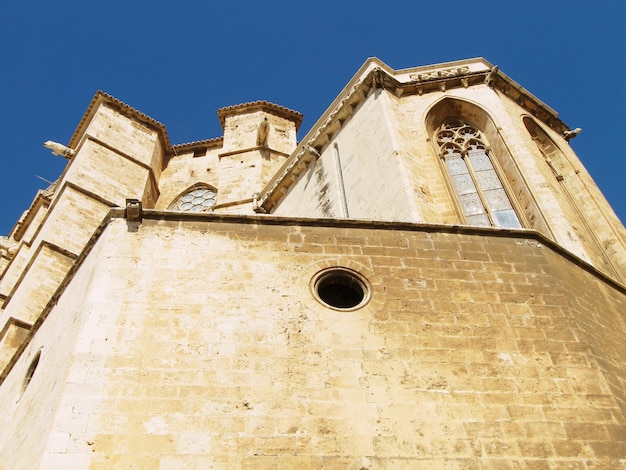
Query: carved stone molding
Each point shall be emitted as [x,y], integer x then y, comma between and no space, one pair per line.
[441,73]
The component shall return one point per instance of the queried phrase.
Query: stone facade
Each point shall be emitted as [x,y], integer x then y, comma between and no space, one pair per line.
[134,335]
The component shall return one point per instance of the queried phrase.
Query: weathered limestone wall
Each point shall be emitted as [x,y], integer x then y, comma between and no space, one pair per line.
[117,157]
[14,269]
[28,414]
[4,261]
[38,282]
[41,209]
[183,171]
[375,181]
[200,344]
[250,157]
[240,130]
[128,136]
[316,193]
[73,218]
[11,336]
[603,329]
[112,176]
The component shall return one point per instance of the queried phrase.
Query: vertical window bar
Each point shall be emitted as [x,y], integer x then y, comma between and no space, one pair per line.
[340,184]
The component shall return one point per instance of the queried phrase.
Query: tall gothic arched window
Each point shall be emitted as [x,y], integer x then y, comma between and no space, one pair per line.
[479,189]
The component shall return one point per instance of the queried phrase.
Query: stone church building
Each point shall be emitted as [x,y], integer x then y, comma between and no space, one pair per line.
[429,279]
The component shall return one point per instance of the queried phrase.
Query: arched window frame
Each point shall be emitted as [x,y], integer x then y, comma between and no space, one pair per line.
[481,193]
[560,166]
[178,204]
[549,149]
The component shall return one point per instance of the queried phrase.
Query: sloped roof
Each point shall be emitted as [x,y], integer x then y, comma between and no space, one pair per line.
[123,108]
[206,143]
[260,105]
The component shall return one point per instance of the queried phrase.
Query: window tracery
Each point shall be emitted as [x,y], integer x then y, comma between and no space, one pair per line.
[197,199]
[479,189]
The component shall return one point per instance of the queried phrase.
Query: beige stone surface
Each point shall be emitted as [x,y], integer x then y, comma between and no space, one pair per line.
[431,370]
[194,340]
[11,337]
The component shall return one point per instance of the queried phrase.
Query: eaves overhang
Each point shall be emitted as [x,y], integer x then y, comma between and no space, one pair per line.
[260,105]
[374,74]
[124,109]
[214,143]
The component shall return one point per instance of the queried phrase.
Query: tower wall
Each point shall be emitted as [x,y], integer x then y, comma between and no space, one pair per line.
[258,138]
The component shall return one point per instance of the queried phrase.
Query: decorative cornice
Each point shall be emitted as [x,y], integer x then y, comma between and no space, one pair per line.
[215,142]
[211,217]
[440,73]
[252,149]
[260,105]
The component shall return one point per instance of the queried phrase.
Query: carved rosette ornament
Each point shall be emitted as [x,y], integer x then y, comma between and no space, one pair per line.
[441,73]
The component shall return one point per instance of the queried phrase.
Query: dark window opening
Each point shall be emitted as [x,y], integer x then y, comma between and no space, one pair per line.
[341,289]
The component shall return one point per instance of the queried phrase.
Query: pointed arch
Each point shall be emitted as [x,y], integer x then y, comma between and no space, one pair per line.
[200,197]
[580,203]
[468,145]
[550,151]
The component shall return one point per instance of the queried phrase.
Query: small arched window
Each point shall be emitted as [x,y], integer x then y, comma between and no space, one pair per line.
[478,187]
[197,199]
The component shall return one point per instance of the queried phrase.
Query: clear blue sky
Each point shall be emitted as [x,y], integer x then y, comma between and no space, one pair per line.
[179,61]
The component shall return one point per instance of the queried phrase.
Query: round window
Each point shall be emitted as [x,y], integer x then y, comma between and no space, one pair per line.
[340,289]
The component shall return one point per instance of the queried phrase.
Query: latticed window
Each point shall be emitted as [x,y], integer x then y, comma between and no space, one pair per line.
[197,199]
[478,187]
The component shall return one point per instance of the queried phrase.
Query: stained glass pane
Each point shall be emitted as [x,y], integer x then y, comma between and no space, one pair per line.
[456,165]
[480,161]
[498,200]
[488,179]
[472,204]
[196,200]
[463,184]
[474,178]
[507,219]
